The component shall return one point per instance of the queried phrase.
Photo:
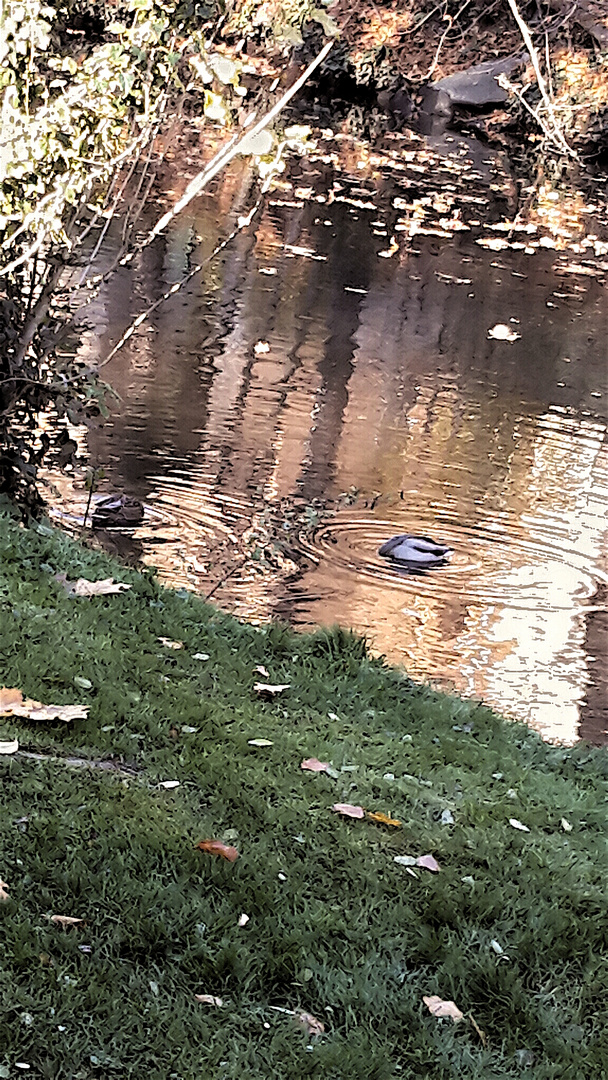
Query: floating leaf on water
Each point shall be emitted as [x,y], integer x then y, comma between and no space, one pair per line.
[383,819]
[348,811]
[312,764]
[208,999]
[9,747]
[437,1007]
[216,847]
[518,825]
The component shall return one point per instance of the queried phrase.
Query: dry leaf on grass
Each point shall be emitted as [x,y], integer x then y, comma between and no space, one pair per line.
[261,670]
[168,785]
[518,825]
[437,1007]
[216,847]
[12,703]
[427,862]
[311,1025]
[383,819]
[208,999]
[9,747]
[3,893]
[312,764]
[64,920]
[269,690]
[565,824]
[348,811]
[259,742]
[243,920]
[83,587]
[171,644]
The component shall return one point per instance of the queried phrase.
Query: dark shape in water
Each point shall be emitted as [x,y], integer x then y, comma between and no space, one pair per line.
[415,551]
[117,510]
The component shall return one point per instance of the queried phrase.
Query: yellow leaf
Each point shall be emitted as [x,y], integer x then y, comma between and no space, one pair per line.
[383,819]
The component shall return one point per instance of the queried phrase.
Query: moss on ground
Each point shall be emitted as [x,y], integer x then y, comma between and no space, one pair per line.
[336,928]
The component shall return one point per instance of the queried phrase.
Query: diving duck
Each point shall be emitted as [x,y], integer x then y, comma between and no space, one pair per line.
[415,551]
[117,510]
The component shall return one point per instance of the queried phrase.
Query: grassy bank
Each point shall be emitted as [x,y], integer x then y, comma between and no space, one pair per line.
[336,927]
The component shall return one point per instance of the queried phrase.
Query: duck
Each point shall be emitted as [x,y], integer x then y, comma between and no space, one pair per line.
[415,551]
[117,510]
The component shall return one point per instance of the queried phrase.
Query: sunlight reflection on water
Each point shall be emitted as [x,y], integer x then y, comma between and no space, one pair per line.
[380,380]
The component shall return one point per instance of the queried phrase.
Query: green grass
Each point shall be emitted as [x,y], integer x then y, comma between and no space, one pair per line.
[336,927]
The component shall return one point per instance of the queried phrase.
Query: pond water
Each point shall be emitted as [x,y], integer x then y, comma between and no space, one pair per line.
[335,377]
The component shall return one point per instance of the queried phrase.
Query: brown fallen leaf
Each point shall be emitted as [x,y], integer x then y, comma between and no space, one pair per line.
[64,920]
[3,893]
[169,644]
[311,1025]
[348,811]
[216,847]
[208,999]
[383,819]
[83,587]
[12,703]
[312,764]
[437,1007]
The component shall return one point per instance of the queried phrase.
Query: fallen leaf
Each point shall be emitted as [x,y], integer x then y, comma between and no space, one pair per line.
[566,826]
[83,587]
[64,920]
[383,819]
[171,644]
[243,920]
[348,810]
[270,689]
[261,347]
[311,1025]
[498,949]
[208,999]
[437,1007]
[9,747]
[518,825]
[168,785]
[259,742]
[12,703]
[427,862]
[3,893]
[261,670]
[481,1033]
[312,764]
[200,656]
[216,847]
[447,817]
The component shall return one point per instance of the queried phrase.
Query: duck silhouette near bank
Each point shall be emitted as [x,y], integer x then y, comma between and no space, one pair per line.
[415,552]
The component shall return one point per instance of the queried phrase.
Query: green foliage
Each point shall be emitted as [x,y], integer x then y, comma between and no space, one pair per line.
[345,934]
